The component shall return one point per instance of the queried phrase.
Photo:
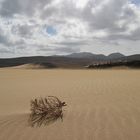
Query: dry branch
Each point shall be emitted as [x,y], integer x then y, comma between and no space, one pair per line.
[44,111]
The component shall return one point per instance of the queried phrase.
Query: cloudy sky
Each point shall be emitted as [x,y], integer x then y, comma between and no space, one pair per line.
[52,27]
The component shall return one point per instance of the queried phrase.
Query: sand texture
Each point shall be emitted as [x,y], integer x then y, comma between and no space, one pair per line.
[101,104]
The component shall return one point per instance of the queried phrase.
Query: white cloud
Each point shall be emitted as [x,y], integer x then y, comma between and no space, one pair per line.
[80,3]
[99,26]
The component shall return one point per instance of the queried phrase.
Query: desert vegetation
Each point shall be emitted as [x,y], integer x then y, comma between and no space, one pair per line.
[45,111]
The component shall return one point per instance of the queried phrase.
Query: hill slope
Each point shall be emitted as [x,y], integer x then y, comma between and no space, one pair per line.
[76,60]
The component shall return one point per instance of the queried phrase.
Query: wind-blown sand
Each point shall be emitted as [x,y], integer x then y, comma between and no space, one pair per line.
[102,104]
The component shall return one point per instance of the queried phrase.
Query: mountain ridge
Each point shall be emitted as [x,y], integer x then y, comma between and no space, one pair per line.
[75,60]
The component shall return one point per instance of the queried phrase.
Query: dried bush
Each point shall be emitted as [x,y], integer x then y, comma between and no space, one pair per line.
[44,111]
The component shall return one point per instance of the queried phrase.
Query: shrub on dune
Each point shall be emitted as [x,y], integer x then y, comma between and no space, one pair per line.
[44,111]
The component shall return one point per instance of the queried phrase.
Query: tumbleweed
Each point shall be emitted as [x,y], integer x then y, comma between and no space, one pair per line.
[44,111]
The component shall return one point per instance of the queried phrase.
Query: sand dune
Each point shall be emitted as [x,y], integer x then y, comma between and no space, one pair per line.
[34,66]
[102,104]
[29,66]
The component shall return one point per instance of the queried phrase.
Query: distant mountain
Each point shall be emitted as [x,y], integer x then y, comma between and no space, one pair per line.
[87,55]
[80,55]
[115,56]
[48,61]
[95,56]
[75,60]
[133,57]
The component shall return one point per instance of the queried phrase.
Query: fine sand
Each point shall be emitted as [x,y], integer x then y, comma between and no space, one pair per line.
[102,104]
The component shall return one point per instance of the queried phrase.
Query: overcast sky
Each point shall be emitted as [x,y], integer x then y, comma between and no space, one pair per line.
[52,27]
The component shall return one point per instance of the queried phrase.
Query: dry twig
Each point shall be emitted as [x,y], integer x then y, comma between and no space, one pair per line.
[44,111]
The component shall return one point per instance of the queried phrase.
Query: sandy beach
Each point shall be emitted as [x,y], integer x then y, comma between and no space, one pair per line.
[101,104]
